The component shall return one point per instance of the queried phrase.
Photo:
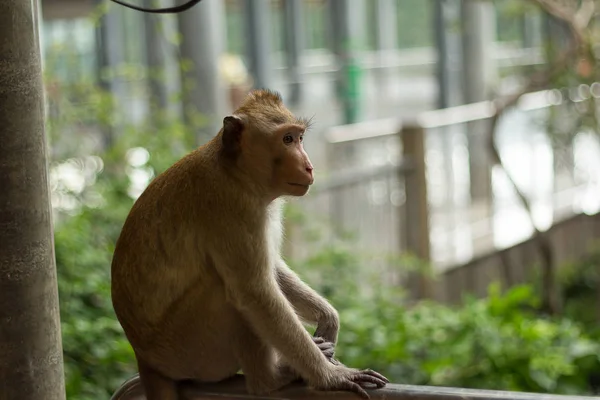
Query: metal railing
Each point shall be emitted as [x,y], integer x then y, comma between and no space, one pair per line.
[428,186]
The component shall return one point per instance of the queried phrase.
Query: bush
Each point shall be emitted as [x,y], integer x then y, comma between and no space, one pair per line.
[494,343]
[501,342]
[97,356]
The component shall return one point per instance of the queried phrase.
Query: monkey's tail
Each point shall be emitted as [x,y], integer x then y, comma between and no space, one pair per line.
[155,385]
[130,389]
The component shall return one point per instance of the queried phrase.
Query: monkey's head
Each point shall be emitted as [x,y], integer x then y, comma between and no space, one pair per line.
[265,141]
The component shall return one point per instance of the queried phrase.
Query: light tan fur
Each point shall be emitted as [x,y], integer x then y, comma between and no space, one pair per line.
[198,283]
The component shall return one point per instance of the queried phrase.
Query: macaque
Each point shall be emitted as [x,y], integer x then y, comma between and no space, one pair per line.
[198,282]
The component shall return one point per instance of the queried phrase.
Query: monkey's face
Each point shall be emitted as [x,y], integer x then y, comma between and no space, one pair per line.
[271,154]
[264,139]
[292,170]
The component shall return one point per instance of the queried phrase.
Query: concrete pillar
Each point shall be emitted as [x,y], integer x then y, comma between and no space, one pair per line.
[31,363]
[479,76]
[164,78]
[449,50]
[294,31]
[449,75]
[386,37]
[110,44]
[385,33]
[479,36]
[111,54]
[203,39]
[347,28]
[532,29]
[259,42]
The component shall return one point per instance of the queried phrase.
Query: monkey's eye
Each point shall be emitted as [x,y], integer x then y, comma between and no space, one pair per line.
[301,138]
[287,139]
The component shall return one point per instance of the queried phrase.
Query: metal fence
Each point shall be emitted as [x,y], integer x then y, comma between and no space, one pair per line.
[428,185]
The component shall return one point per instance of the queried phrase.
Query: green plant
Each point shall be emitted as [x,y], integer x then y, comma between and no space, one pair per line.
[580,286]
[494,343]
[93,188]
[501,342]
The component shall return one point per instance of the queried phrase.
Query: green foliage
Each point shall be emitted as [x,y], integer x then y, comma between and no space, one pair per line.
[494,343]
[502,342]
[89,216]
[580,285]
[97,356]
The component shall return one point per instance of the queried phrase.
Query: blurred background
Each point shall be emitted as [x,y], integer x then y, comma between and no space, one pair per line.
[454,220]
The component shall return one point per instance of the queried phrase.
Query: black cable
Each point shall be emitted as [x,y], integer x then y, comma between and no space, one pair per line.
[167,10]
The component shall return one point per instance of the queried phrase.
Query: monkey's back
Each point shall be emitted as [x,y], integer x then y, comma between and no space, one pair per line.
[159,257]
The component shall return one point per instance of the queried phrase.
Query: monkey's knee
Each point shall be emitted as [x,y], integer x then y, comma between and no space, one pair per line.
[264,384]
[260,366]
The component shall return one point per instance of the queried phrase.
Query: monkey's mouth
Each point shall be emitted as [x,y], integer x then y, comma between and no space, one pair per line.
[305,186]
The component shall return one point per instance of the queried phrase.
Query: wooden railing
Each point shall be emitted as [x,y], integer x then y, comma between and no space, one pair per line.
[429,216]
[234,389]
[409,169]
[391,184]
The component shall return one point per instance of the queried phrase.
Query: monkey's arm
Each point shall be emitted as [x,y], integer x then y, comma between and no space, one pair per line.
[246,267]
[242,259]
[311,306]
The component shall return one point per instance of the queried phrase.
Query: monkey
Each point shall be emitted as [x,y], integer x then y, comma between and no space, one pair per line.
[198,282]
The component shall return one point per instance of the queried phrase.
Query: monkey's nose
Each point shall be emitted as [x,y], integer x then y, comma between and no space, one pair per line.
[310,169]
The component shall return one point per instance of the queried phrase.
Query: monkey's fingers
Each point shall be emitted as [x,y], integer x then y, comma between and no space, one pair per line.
[328,352]
[353,387]
[325,345]
[362,378]
[318,339]
[375,374]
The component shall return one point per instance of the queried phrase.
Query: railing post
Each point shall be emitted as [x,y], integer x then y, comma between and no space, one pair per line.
[416,219]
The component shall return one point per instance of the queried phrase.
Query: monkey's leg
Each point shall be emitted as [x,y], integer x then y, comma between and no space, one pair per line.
[260,365]
[156,386]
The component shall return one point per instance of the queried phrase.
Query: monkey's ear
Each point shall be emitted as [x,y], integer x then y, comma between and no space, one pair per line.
[232,133]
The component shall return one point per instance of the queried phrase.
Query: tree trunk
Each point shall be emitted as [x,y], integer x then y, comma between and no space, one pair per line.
[30,347]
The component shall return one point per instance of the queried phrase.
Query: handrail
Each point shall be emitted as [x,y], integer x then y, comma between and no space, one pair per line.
[438,118]
[234,388]
[363,130]
[357,176]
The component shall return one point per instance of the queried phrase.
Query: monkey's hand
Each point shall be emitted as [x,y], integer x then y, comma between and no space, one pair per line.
[344,378]
[327,348]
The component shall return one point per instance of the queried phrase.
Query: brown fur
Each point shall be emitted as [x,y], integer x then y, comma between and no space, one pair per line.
[198,283]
